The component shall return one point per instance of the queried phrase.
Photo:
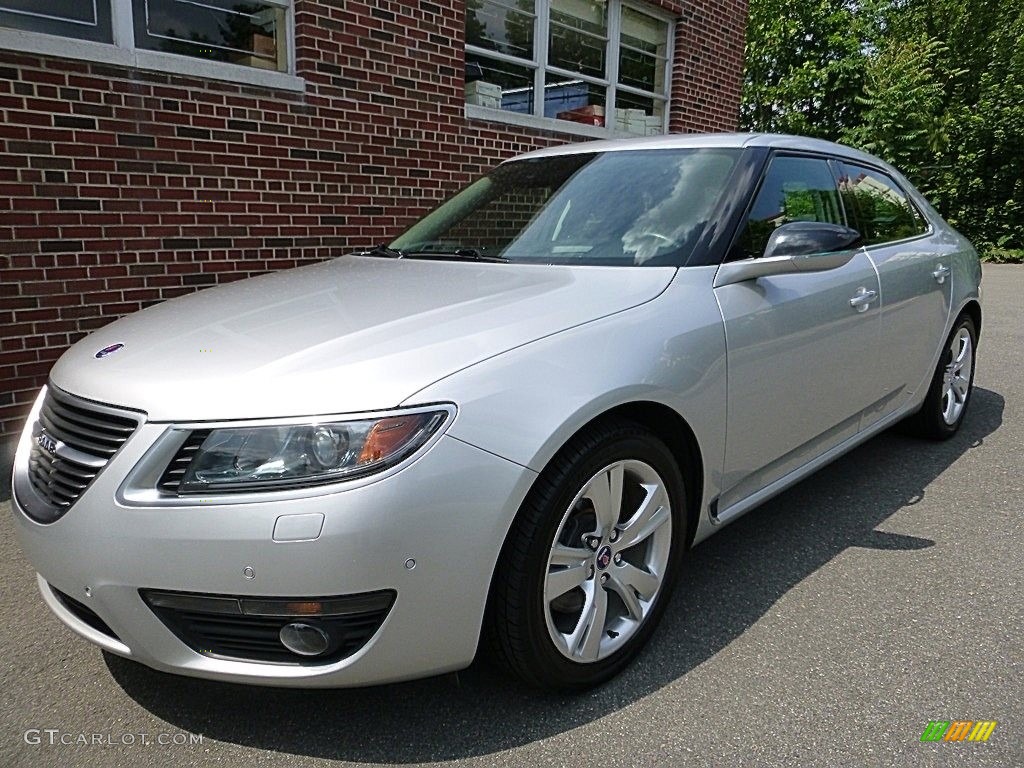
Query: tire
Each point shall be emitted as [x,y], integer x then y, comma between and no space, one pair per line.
[940,417]
[544,630]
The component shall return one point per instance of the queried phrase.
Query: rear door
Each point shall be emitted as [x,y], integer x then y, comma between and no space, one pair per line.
[916,281]
[801,358]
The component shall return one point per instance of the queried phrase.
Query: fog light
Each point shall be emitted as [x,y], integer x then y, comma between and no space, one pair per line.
[304,639]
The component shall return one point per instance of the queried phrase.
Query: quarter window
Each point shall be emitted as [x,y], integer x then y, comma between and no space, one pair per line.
[595,62]
[882,211]
[794,189]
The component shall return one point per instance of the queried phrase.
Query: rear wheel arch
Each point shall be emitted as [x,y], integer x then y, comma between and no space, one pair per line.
[972,308]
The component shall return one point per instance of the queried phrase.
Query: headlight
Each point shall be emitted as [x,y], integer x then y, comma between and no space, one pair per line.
[295,455]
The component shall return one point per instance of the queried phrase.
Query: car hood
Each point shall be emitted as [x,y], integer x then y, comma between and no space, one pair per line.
[352,334]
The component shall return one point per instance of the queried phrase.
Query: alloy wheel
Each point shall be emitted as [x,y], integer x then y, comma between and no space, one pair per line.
[608,561]
[957,376]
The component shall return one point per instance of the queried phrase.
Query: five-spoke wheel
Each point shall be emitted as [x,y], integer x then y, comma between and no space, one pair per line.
[588,566]
[957,378]
[608,560]
[950,390]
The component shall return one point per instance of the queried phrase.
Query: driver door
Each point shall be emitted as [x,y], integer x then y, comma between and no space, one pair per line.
[801,356]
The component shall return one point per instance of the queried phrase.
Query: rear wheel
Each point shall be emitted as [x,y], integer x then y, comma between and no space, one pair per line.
[588,566]
[950,390]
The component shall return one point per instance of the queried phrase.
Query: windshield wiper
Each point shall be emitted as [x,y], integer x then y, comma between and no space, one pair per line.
[459,254]
[383,250]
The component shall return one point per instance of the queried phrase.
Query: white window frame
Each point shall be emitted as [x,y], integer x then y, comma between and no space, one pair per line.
[124,53]
[540,67]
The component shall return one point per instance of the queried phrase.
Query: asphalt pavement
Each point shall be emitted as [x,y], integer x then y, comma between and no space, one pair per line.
[826,628]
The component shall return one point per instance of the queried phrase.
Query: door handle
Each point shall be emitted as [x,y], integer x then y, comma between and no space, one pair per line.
[941,273]
[862,298]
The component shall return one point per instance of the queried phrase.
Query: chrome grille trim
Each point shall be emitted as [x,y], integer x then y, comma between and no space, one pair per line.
[71,441]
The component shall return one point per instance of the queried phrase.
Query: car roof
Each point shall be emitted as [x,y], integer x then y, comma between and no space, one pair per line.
[707,141]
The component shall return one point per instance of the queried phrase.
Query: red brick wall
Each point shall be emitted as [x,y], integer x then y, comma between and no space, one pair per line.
[707,71]
[120,188]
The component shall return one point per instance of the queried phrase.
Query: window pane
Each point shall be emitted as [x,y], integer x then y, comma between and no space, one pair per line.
[248,33]
[579,36]
[575,100]
[80,19]
[498,84]
[644,47]
[795,189]
[882,212]
[501,27]
[639,115]
[637,208]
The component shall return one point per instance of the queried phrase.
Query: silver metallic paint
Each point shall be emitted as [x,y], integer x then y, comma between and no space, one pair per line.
[529,355]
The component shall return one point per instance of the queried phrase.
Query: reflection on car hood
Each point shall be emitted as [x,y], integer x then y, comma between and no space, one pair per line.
[352,334]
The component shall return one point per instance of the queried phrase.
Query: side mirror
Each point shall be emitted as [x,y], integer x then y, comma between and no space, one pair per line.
[800,246]
[806,238]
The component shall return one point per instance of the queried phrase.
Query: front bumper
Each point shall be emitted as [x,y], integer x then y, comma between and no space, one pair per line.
[448,511]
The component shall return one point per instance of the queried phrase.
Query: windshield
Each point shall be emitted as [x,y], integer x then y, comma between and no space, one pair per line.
[636,208]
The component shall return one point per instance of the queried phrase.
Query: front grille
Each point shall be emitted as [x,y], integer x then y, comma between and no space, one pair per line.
[73,441]
[218,626]
[84,614]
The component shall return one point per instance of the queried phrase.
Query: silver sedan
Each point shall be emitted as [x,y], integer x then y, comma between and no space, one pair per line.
[502,430]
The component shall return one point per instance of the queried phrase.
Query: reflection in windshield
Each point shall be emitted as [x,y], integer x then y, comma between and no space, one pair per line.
[636,207]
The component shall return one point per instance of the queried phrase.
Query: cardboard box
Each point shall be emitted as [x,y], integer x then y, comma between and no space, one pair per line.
[484,101]
[264,45]
[483,88]
[592,114]
[255,61]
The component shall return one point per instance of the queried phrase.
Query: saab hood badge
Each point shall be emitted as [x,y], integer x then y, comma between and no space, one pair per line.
[108,350]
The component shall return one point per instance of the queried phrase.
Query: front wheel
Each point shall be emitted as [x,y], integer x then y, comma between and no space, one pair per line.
[952,382]
[588,566]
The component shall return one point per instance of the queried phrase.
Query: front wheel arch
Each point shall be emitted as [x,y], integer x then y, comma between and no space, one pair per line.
[509,626]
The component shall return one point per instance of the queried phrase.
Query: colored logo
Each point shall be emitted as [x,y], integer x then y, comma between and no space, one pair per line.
[958,730]
[108,350]
[604,557]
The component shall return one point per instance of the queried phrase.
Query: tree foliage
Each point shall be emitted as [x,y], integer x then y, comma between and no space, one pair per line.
[934,86]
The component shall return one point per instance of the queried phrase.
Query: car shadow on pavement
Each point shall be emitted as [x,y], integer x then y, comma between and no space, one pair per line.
[746,568]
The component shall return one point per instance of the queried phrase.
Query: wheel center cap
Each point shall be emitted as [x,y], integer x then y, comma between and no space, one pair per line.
[604,557]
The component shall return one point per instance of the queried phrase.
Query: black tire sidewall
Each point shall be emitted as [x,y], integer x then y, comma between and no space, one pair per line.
[550,666]
[933,423]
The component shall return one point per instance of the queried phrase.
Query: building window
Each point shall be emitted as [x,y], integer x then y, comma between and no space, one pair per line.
[595,62]
[251,34]
[157,34]
[82,19]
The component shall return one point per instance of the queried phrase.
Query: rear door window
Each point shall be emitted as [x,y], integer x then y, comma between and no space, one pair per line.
[881,210]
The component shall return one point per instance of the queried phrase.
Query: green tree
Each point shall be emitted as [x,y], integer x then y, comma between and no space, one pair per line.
[804,67]
[903,118]
[934,86]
